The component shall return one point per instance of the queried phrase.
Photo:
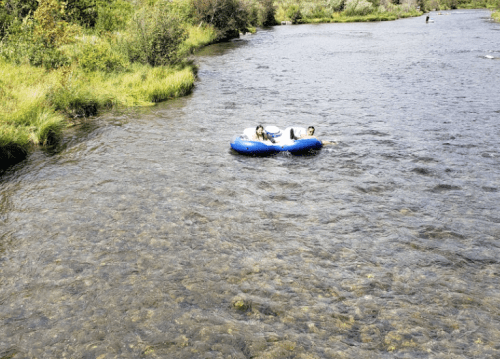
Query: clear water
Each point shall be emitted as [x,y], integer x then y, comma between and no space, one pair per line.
[146,236]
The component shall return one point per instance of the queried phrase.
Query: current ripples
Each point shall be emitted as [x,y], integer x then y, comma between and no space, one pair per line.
[145,236]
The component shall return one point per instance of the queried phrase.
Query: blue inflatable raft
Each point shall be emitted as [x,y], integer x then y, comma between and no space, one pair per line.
[282,142]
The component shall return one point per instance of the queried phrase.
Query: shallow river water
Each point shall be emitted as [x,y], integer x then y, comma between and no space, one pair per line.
[145,236]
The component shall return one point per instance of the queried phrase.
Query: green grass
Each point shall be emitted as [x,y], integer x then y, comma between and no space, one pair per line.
[340,18]
[37,105]
[26,118]
[496,15]
[199,36]
[317,11]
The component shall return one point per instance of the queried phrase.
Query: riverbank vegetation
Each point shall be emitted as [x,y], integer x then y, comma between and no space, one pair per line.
[61,61]
[319,11]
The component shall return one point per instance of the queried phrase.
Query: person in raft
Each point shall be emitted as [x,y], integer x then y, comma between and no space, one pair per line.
[260,135]
[310,134]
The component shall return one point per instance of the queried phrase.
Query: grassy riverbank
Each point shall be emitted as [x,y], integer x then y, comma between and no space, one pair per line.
[55,70]
[37,103]
[317,11]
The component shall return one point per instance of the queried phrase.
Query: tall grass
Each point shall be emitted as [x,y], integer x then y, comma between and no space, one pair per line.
[26,118]
[37,104]
[321,11]
[141,86]
[198,36]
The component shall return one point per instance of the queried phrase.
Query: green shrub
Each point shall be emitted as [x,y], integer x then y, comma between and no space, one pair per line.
[267,13]
[315,11]
[5,20]
[83,12]
[261,13]
[38,39]
[228,17]
[101,57]
[14,9]
[48,57]
[253,14]
[50,28]
[335,5]
[113,16]
[293,13]
[155,37]
[17,41]
[20,45]
[357,7]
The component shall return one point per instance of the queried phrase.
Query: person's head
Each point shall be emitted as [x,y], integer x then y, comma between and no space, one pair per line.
[259,130]
[310,130]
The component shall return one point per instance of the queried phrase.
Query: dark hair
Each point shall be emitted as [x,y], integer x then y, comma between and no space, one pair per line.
[264,136]
[312,128]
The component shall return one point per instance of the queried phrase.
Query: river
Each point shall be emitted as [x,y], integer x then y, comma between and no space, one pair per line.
[145,236]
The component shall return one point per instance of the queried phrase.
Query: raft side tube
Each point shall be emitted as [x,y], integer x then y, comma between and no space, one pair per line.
[304,145]
[258,148]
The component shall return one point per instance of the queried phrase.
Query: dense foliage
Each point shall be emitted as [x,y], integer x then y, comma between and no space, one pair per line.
[49,33]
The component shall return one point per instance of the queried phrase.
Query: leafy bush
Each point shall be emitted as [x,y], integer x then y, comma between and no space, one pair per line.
[50,58]
[335,5]
[316,11]
[261,13]
[5,20]
[101,57]
[357,7]
[155,37]
[83,12]
[293,13]
[17,42]
[21,45]
[38,39]
[267,13]
[113,16]
[229,17]
[49,27]
[12,10]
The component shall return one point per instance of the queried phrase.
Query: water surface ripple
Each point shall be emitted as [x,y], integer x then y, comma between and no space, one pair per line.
[145,236]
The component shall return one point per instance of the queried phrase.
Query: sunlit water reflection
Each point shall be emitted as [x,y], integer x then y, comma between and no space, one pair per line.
[147,237]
